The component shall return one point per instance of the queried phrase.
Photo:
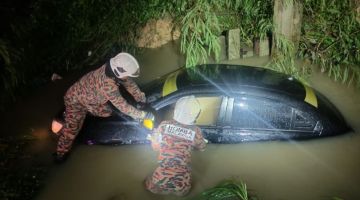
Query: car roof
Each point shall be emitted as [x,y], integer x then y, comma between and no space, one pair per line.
[235,78]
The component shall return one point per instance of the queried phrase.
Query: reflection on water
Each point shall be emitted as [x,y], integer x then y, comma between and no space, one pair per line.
[314,169]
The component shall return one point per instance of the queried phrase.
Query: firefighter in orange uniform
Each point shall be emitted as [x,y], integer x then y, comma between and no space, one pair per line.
[93,92]
[175,140]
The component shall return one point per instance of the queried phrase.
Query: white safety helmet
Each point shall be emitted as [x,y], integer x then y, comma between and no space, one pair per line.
[123,65]
[187,109]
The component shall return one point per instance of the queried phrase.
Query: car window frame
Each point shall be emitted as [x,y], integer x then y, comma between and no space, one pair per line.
[290,103]
[228,107]
[172,98]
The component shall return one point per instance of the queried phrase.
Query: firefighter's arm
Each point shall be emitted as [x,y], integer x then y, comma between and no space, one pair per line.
[155,139]
[200,141]
[134,90]
[121,104]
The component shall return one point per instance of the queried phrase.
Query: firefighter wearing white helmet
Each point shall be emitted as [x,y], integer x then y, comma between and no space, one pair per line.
[174,139]
[98,93]
[187,109]
[124,65]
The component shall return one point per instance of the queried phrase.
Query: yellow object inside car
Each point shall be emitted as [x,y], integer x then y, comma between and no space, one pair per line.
[310,96]
[170,84]
[148,123]
[210,107]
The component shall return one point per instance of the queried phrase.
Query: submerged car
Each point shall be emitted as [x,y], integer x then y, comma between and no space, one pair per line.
[238,104]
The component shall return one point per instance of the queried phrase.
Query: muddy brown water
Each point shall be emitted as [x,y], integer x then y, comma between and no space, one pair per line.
[312,170]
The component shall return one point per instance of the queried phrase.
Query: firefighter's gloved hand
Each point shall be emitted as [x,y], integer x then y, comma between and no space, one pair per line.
[148,120]
[60,158]
[140,105]
[149,115]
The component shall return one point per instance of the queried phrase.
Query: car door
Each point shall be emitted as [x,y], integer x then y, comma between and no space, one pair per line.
[253,118]
[256,118]
[117,129]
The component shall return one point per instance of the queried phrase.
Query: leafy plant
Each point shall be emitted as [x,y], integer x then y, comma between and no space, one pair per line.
[255,19]
[199,33]
[283,59]
[330,38]
[227,190]
[201,23]
[204,20]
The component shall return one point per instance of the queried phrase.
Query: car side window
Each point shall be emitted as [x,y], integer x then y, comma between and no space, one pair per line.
[260,113]
[210,107]
[302,120]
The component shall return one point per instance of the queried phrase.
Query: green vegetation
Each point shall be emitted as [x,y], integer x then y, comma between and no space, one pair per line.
[200,30]
[204,20]
[229,189]
[329,41]
[331,38]
[283,59]
[58,36]
[255,19]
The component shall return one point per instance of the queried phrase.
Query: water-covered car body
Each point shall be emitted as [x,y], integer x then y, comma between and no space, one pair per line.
[238,103]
